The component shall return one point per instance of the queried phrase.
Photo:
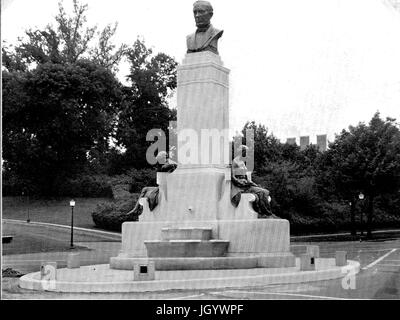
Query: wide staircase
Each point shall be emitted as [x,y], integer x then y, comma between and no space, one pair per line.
[193,248]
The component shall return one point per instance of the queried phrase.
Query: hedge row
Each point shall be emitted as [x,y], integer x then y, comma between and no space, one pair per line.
[86,185]
[111,215]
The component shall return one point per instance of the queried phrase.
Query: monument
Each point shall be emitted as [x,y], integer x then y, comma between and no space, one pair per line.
[195,225]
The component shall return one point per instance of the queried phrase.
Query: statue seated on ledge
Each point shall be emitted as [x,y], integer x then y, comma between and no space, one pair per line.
[206,36]
[241,183]
[164,164]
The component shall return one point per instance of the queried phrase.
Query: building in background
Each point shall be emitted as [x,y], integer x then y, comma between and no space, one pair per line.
[304,142]
[291,140]
[322,142]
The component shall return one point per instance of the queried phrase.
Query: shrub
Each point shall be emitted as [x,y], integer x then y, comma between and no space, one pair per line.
[125,190]
[110,215]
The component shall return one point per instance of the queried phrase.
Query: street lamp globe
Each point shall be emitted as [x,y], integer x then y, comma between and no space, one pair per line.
[361,196]
[72,203]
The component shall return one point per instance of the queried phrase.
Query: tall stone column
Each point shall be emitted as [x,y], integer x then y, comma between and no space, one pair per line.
[196,187]
[203,110]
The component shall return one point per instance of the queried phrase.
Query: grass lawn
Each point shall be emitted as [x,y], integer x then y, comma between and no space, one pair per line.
[51,211]
[33,240]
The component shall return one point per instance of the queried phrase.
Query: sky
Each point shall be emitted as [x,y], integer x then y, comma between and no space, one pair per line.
[299,67]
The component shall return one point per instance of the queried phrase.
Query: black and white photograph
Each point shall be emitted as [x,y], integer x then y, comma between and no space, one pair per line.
[215,151]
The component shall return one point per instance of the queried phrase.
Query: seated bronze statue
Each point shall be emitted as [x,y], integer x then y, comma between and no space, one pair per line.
[164,164]
[241,183]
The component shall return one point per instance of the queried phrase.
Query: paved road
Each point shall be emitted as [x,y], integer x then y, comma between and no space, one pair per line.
[378,279]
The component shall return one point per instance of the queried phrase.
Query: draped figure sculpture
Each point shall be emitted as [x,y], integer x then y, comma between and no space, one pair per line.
[164,164]
[241,183]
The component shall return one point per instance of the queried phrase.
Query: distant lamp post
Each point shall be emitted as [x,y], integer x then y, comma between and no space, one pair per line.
[352,218]
[361,197]
[28,219]
[72,205]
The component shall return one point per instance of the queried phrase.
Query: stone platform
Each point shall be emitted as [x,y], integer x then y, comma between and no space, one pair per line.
[246,237]
[199,245]
[272,260]
[100,278]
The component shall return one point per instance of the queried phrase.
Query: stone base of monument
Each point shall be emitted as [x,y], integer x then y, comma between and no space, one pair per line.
[101,278]
[245,236]
[272,260]
[216,244]
[224,244]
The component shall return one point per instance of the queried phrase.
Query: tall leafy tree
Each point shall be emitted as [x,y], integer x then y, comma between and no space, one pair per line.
[63,116]
[69,40]
[106,52]
[365,158]
[60,100]
[266,145]
[152,81]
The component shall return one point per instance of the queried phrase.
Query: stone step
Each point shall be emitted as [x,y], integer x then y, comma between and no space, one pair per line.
[186,248]
[272,260]
[185,234]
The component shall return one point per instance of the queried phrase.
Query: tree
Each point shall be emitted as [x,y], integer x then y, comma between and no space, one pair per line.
[55,118]
[145,105]
[366,158]
[61,100]
[67,42]
[266,146]
[105,53]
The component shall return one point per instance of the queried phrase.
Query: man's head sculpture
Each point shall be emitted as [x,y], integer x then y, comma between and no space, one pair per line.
[206,36]
[203,12]
[241,150]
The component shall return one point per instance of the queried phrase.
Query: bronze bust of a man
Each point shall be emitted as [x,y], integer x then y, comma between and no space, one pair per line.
[206,36]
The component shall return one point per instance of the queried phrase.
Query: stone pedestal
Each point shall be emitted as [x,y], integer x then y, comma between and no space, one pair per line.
[245,236]
[313,251]
[307,262]
[203,110]
[197,193]
[341,258]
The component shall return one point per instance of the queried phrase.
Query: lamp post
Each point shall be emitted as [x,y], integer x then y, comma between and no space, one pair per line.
[72,205]
[352,217]
[361,197]
[28,219]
